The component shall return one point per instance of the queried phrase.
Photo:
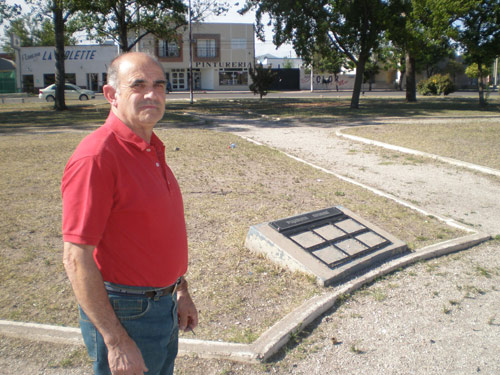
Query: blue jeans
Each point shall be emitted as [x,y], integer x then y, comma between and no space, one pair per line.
[153,325]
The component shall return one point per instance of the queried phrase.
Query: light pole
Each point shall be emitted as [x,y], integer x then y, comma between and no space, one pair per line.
[190,58]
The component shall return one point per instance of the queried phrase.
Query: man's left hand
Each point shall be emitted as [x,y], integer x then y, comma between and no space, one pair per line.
[186,310]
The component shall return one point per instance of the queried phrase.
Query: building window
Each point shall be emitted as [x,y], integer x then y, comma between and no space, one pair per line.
[206,48]
[49,79]
[233,77]
[168,49]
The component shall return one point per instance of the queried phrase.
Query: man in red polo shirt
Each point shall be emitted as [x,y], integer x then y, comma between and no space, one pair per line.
[125,243]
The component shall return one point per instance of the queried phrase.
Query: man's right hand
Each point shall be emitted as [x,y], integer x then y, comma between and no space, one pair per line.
[125,358]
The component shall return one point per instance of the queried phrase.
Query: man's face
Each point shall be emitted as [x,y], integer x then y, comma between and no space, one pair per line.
[140,98]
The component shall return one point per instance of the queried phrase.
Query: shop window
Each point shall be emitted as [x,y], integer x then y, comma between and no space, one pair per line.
[70,78]
[233,77]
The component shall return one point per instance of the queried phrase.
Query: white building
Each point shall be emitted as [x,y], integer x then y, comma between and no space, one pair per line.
[85,66]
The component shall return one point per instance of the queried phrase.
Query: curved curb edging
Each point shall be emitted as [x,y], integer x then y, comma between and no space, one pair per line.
[458,163]
[271,341]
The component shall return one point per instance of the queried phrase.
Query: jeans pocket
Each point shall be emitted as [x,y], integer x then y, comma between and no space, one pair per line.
[130,308]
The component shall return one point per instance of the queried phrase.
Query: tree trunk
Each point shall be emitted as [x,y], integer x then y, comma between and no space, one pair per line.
[122,24]
[59,103]
[411,81]
[358,81]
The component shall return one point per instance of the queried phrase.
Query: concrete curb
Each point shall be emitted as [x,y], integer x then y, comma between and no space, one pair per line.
[272,340]
[446,220]
[405,150]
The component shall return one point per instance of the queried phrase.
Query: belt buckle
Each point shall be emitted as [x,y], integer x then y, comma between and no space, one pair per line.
[158,294]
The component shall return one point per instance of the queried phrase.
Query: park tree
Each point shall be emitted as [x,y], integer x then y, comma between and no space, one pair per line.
[371,70]
[128,21]
[477,32]
[421,42]
[58,12]
[473,26]
[32,31]
[262,79]
[351,27]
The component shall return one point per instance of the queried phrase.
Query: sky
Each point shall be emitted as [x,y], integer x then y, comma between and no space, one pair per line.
[232,16]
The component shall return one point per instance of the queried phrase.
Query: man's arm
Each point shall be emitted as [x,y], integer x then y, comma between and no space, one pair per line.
[124,356]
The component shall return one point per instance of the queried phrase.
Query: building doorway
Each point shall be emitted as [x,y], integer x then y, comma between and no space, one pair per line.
[28,83]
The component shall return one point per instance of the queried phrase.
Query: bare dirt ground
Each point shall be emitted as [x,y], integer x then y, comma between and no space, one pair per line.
[435,317]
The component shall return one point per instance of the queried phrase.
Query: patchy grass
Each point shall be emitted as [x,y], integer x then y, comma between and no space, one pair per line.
[331,109]
[225,190]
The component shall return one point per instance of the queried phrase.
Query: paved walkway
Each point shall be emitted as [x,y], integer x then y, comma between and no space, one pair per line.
[459,193]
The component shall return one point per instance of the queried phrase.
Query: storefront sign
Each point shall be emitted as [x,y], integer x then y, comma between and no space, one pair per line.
[228,64]
[79,54]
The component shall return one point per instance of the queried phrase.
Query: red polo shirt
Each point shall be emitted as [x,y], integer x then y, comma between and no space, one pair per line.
[120,196]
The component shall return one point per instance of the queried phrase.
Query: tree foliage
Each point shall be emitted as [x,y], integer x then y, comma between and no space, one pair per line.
[128,21]
[420,42]
[473,25]
[32,31]
[351,27]
[120,19]
[8,11]
[472,71]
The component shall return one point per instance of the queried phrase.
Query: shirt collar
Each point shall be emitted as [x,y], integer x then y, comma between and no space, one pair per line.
[125,133]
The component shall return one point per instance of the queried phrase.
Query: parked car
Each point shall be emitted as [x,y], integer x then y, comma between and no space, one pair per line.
[70,92]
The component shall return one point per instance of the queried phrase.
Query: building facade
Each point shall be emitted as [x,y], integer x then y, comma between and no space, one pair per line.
[222,55]
[85,66]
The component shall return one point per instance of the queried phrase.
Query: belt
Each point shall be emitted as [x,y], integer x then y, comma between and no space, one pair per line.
[148,293]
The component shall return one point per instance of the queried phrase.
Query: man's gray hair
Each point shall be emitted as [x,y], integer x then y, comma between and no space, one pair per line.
[114,68]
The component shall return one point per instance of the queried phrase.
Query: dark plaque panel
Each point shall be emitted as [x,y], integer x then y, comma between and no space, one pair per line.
[305,219]
[331,236]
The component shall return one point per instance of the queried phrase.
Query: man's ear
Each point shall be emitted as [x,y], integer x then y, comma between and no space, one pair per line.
[110,94]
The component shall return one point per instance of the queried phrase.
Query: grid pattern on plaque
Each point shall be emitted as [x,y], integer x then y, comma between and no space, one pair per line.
[337,242]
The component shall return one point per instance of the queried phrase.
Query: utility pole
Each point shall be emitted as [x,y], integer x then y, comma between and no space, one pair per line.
[190,58]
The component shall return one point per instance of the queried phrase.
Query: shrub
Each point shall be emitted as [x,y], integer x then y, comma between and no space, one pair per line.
[436,85]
